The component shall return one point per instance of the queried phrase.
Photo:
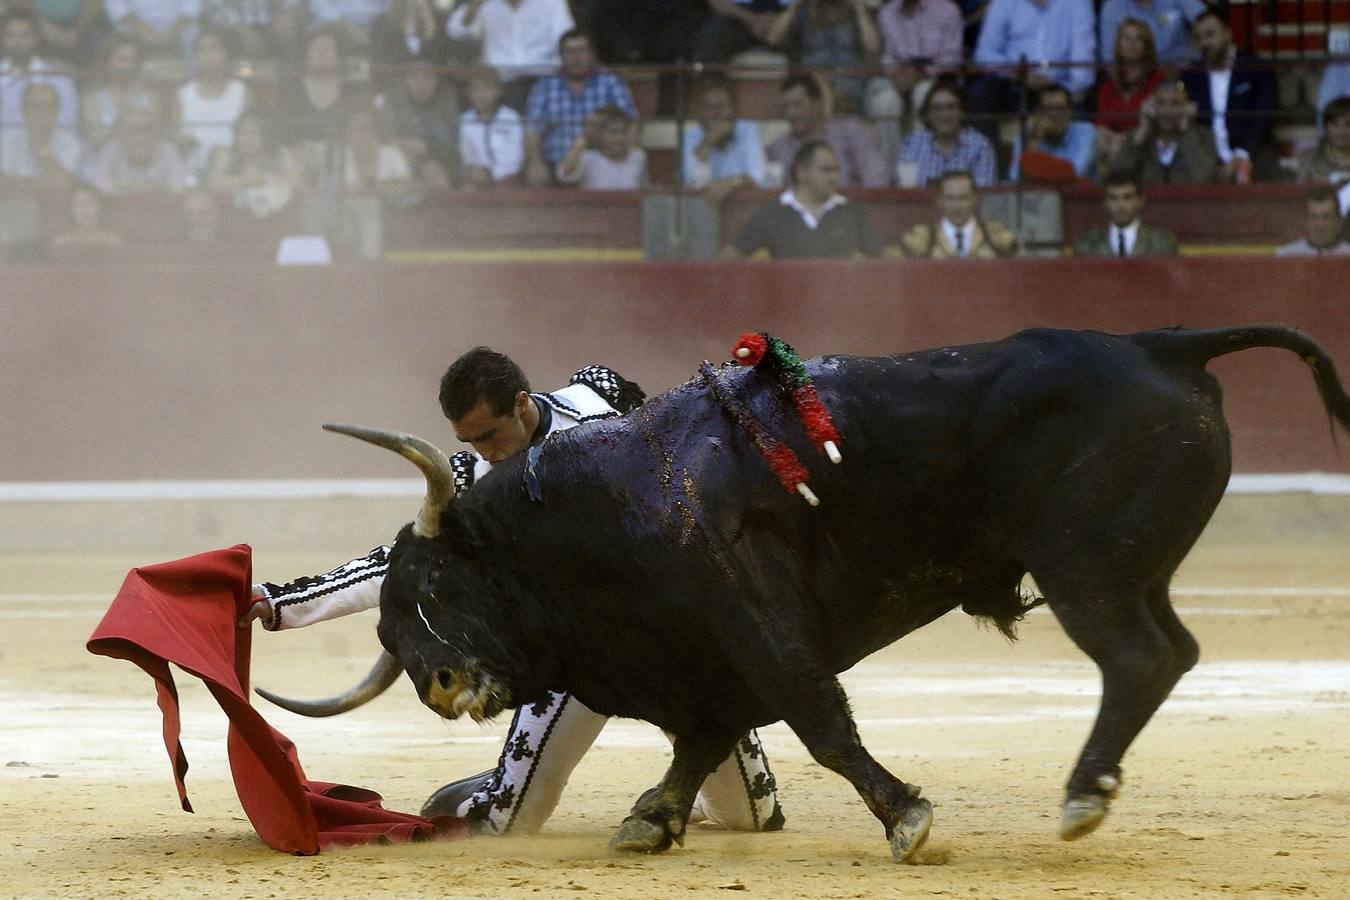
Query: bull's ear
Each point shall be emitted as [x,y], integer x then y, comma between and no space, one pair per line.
[466,532]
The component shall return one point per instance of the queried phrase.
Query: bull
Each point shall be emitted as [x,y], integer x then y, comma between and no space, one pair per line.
[652,566]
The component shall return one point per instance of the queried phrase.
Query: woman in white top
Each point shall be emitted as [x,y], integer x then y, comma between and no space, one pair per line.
[209,105]
[491,135]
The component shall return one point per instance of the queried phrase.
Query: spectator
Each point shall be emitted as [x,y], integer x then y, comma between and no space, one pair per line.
[138,160]
[313,107]
[1323,227]
[559,105]
[21,66]
[1131,79]
[371,167]
[39,157]
[1057,41]
[807,114]
[409,30]
[835,36]
[1168,24]
[259,177]
[1055,137]
[734,26]
[944,144]
[372,175]
[959,232]
[1236,97]
[1126,235]
[811,219]
[208,105]
[200,217]
[645,32]
[86,222]
[350,18]
[120,86]
[161,27]
[1329,160]
[491,134]
[68,28]
[603,157]
[920,40]
[1335,83]
[258,29]
[720,151]
[418,114]
[1168,146]
[522,39]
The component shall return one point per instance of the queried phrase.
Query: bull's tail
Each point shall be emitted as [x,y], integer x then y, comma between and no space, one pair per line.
[1199,347]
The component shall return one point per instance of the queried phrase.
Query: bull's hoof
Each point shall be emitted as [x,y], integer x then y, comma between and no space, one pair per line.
[1081,816]
[641,836]
[911,830]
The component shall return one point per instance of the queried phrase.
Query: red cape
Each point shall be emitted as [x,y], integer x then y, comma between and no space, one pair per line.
[185,612]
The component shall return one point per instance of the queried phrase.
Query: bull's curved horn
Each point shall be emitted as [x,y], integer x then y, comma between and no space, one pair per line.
[384,673]
[431,460]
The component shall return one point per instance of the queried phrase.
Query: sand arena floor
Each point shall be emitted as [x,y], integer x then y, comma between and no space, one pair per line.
[1240,786]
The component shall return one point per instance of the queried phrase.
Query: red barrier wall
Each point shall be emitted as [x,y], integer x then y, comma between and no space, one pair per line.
[227,372]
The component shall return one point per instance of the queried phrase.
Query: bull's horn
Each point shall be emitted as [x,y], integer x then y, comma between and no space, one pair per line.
[384,673]
[435,468]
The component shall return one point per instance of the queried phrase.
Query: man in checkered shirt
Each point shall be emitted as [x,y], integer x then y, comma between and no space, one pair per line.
[558,106]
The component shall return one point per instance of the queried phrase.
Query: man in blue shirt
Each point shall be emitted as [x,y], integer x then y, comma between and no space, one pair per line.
[1169,20]
[1054,133]
[1056,41]
[559,105]
[720,151]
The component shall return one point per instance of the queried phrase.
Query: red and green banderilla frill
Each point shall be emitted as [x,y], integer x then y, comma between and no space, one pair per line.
[763,350]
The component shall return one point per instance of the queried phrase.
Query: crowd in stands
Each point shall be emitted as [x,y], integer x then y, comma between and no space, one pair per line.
[338,112]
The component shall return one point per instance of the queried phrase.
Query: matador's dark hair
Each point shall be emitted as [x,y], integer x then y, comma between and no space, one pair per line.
[481,374]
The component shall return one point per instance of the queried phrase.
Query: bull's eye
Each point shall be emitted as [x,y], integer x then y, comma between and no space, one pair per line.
[443,677]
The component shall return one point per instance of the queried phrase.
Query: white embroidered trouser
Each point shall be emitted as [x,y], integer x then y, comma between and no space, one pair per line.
[544,745]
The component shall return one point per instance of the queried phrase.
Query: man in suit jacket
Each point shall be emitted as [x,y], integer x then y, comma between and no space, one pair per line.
[1126,235]
[1235,98]
[959,232]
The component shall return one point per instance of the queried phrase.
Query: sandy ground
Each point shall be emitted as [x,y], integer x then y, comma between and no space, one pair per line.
[1239,787]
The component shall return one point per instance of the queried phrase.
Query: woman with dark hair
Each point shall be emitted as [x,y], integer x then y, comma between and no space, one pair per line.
[313,106]
[118,86]
[1329,160]
[1131,79]
[259,177]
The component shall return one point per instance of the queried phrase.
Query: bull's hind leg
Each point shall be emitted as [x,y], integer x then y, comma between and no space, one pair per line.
[1142,649]
[661,813]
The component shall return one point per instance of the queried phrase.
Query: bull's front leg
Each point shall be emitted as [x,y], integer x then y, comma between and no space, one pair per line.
[661,813]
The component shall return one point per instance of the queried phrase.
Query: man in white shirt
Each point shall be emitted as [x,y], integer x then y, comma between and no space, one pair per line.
[1126,235]
[39,156]
[519,39]
[960,233]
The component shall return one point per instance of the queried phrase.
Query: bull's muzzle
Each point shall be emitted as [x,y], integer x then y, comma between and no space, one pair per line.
[452,694]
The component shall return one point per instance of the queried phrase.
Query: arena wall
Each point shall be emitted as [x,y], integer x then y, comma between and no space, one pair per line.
[226,372]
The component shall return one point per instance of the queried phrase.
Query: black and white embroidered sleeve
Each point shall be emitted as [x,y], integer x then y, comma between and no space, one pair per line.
[619,392]
[350,588]
[461,467]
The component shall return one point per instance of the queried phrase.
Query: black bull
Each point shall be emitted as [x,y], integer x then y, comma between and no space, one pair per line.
[654,567]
